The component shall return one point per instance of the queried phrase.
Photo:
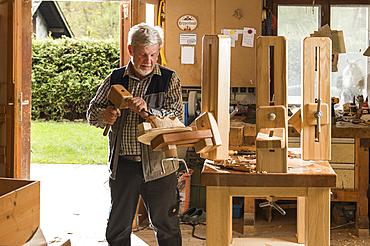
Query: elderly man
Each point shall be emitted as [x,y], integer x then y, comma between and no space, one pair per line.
[135,168]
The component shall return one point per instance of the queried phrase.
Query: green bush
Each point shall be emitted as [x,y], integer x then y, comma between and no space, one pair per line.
[66,74]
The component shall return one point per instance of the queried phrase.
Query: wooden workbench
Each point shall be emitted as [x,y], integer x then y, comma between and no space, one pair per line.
[310,181]
[358,194]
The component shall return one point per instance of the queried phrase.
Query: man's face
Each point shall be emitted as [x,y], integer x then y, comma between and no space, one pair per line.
[144,58]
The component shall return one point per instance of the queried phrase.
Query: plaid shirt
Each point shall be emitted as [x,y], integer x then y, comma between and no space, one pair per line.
[172,106]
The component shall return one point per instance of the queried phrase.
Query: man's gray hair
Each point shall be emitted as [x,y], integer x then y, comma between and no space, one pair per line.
[144,34]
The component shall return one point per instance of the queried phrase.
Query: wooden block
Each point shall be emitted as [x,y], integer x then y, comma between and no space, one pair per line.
[170,151]
[271,117]
[19,210]
[271,138]
[309,111]
[236,135]
[207,121]
[296,121]
[119,96]
[204,145]
[271,160]
[249,130]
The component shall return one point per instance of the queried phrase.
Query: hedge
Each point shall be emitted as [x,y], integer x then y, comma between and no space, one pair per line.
[66,74]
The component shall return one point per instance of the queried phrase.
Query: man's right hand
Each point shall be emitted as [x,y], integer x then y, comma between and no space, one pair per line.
[109,115]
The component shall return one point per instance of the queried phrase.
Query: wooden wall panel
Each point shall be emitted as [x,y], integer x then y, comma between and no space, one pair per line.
[212,16]
[202,10]
[243,59]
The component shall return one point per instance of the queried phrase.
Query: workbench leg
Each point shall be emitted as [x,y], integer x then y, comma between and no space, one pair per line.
[249,211]
[219,216]
[301,203]
[318,217]
[362,182]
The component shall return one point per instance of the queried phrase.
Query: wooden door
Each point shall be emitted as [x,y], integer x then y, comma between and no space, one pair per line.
[15,88]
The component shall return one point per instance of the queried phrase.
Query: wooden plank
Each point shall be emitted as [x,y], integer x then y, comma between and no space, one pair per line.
[216,88]
[219,203]
[19,212]
[149,135]
[264,44]
[179,138]
[318,216]
[311,149]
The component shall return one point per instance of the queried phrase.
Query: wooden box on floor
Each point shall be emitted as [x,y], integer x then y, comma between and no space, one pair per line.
[19,210]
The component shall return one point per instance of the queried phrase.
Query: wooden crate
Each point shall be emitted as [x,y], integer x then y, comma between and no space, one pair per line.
[19,210]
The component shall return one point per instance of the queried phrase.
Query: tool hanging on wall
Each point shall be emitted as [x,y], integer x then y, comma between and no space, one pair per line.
[271,113]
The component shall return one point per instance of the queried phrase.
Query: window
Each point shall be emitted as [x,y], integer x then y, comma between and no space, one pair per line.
[296,23]
[352,76]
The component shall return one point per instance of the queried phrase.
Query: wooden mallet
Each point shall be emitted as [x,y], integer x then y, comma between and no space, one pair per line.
[118,96]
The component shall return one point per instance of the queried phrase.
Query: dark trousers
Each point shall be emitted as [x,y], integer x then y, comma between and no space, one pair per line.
[160,199]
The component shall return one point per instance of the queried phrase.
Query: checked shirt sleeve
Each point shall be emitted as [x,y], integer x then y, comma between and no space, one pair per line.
[98,104]
[173,101]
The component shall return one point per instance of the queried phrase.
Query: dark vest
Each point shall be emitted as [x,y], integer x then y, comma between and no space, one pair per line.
[158,83]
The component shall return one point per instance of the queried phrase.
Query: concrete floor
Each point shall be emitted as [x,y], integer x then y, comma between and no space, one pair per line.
[75,204]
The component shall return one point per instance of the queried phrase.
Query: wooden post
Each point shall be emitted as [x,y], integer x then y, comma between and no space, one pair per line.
[316,138]
[271,113]
[216,52]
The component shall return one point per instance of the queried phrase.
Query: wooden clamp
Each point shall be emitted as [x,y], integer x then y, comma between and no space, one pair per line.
[271,113]
[316,116]
[118,96]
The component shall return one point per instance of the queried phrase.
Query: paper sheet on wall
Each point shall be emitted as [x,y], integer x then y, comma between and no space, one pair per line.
[187,54]
[248,37]
[233,34]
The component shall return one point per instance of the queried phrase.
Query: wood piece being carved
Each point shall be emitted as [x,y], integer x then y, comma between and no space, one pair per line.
[173,134]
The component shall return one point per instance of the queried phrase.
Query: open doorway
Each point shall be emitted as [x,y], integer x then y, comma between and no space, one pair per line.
[74,198]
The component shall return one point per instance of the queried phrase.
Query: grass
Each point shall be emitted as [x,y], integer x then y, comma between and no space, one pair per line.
[67,142]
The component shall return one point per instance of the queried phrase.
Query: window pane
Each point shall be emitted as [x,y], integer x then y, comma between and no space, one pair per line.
[351,78]
[296,23]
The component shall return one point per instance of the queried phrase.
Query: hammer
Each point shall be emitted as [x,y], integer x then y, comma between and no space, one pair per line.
[118,96]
